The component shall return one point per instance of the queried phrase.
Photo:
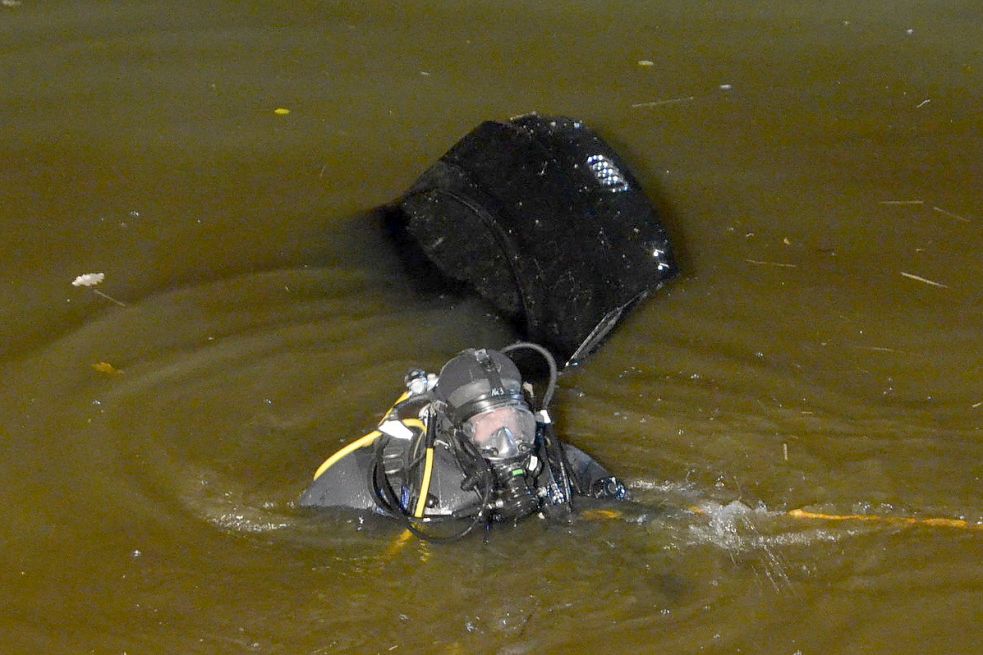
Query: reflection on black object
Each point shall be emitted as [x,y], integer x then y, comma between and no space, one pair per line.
[544,220]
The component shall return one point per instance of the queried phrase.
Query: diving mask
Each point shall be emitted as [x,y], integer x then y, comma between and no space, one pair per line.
[502,433]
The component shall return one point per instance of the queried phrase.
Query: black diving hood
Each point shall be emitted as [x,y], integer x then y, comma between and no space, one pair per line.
[544,220]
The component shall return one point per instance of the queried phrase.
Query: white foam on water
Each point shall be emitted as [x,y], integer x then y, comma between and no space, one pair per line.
[225,504]
[245,520]
[752,535]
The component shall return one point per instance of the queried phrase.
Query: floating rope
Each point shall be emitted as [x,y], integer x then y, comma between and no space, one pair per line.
[934,522]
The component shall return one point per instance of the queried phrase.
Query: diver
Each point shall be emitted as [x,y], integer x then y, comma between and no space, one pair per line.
[470,446]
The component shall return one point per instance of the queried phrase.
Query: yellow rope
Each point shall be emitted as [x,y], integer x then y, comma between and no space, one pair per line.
[594,514]
[934,522]
[396,546]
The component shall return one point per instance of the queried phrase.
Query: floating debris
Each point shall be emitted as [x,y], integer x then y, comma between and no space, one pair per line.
[281,111]
[951,215]
[880,349]
[923,103]
[646,62]
[90,280]
[107,368]
[657,103]
[763,263]
[901,202]
[919,278]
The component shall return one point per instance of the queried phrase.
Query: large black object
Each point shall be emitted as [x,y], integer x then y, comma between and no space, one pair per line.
[543,219]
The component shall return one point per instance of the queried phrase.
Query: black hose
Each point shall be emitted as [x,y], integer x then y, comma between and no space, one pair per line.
[379,486]
[550,361]
[553,446]
[386,499]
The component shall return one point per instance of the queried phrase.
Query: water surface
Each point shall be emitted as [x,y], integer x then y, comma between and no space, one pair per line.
[818,167]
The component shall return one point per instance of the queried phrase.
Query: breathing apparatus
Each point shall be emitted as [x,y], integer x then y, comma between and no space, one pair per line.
[479,408]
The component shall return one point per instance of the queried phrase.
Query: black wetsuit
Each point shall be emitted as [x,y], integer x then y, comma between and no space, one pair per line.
[399,451]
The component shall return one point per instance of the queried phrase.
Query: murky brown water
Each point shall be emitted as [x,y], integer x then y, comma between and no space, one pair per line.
[810,157]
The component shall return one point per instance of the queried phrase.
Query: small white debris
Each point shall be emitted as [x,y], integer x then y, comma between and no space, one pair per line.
[646,62]
[92,279]
[88,280]
[919,278]
[670,101]
[759,262]
[726,87]
[951,215]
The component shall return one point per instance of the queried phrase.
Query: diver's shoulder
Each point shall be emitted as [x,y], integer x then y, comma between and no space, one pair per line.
[343,484]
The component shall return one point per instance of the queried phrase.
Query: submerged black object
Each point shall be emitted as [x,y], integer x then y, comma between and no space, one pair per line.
[543,219]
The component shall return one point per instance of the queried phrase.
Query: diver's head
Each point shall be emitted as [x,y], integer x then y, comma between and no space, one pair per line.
[482,392]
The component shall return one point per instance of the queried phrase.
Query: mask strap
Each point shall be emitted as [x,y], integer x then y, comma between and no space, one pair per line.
[494,377]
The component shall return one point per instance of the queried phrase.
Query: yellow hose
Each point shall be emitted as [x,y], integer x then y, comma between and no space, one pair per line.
[421,503]
[367,440]
[414,423]
[404,396]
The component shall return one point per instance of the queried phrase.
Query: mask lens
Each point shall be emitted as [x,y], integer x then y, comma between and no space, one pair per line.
[502,433]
